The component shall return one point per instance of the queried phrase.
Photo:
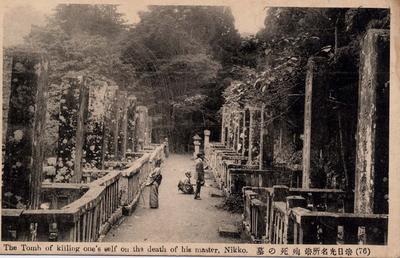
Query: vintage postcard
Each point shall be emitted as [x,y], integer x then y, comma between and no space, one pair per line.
[201,128]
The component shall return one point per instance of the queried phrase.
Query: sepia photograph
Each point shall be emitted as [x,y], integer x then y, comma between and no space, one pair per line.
[233,124]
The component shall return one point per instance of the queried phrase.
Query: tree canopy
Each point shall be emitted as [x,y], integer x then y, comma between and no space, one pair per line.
[178,53]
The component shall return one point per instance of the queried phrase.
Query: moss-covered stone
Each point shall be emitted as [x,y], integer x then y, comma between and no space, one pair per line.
[25,88]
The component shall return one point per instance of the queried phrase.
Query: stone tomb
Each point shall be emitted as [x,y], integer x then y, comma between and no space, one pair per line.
[72,117]
[371,184]
[24,113]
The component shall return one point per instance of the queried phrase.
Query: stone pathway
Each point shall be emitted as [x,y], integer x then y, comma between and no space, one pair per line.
[179,218]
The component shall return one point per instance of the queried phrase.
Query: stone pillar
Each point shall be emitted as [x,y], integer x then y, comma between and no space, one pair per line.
[262,133]
[244,132]
[110,103]
[206,140]
[93,147]
[315,122]
[223,136]
[7,75]
[228,128]
[234,138]
[238,135]
[196,148]
[142,125]
[73,114]
[123,125]
[119,124]
[251,135]
[266,140]
[149,130]
[24,113]
[131,130]
[371,180]
[268,146]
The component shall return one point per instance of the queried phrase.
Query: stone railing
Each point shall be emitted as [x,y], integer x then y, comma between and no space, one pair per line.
[310,227]
[90,210]
[282,215]
[232,173]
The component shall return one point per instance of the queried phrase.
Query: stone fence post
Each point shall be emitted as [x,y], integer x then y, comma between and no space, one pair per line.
[206,140]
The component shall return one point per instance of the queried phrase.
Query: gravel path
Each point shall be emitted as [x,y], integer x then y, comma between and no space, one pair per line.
[179,218]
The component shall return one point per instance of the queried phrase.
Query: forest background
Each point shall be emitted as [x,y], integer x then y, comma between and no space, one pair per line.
[185,62]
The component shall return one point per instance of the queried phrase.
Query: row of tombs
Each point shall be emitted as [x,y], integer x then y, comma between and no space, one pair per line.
[300,202]
[102,156]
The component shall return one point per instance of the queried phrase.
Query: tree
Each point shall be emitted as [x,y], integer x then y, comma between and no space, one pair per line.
[178,52]
[291,36]
[82,39]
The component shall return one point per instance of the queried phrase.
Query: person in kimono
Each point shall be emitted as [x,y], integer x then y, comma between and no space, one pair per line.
[153,182]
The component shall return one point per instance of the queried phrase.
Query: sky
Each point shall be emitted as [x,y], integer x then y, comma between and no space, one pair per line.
[19,15]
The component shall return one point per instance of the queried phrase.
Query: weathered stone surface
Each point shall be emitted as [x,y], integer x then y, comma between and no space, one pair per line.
[371,183]
[254,136]
[73,114]
[131,129]
[149,130]
[229,230]
[95,124]
[142,130]
[267,146]
[24,95]
[315,122]
[123,125]
[207,134]
[223,126]
[7,73]
[266,140]
[110,122]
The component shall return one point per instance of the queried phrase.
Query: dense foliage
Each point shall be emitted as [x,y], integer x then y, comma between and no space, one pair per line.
[180,54]
[79,39]
[184,62]
[275,76]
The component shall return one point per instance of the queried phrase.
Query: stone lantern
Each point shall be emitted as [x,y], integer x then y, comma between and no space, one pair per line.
[196,142]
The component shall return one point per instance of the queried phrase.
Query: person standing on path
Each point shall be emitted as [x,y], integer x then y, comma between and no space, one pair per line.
[199,175]
[154,181]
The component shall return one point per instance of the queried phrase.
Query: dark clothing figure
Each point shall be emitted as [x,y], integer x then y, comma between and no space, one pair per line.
[198,189]
[153,182]
[199,177]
